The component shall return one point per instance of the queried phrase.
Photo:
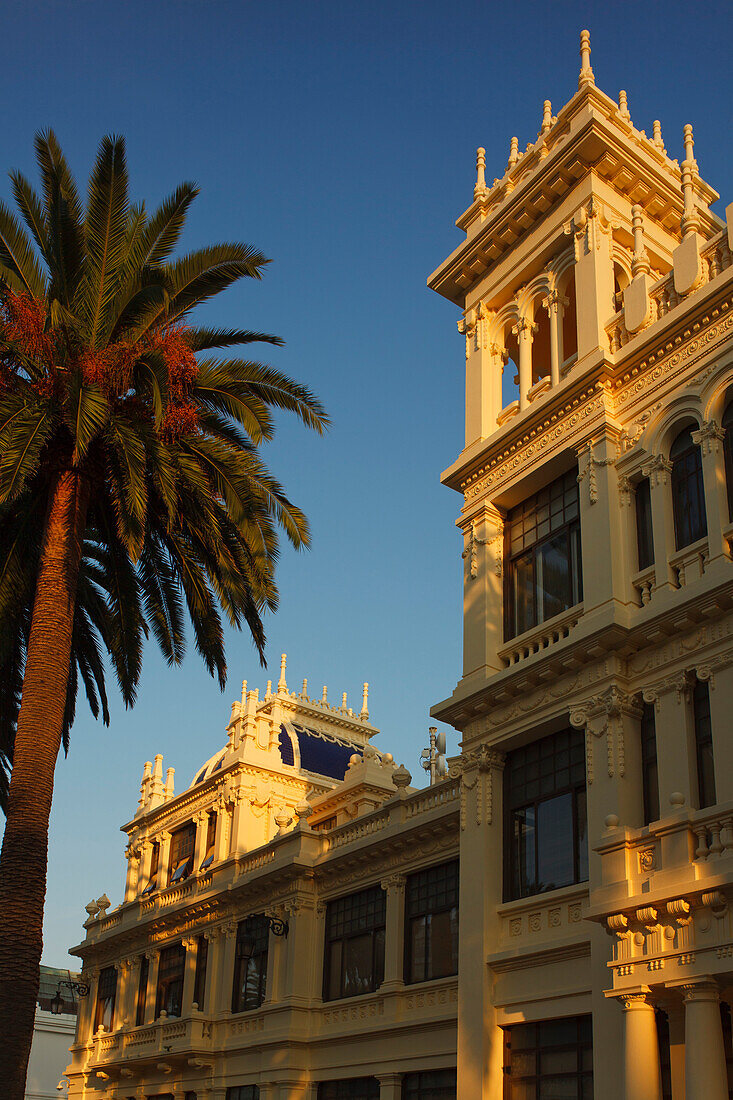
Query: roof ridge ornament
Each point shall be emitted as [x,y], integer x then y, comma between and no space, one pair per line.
[479,190]
[282,682]
[586,73]
[623,106]
[364,714]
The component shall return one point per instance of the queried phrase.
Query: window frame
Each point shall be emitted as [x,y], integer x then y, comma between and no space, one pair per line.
[415,910]
[182,847]
[255,928]
[348,1089]
[141,1000]
[106,998]
[373,929]
[170,980]
[152,882]
[201,972]
[649,763]
[429,1086]
[644,525]
[687,482]
[703,729]
[243,1092]
[726,424]
[541,510]
[581,1045]
[210,840]
[514,805]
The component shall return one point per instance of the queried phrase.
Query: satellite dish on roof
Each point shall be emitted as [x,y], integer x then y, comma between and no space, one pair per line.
[440,742]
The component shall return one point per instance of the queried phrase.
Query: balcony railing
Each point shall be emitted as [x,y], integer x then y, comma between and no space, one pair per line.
[541,637]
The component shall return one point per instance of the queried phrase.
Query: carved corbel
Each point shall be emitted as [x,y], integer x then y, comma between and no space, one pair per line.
[709,437]
[657,469]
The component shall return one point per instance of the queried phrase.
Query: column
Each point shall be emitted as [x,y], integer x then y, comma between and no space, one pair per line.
[304,955]
[524,330]
[152,990]
[164,860]
[720,687]
[705,1070]
[133,867]
[552,304]
[199,848]
[480,1040]
[394,936]
[710,440]
[658,469]
[642,1076]
[146,856]
[483,596]
[87,1006]
[221,846]
[483,375]
[390,1086]
[189,975]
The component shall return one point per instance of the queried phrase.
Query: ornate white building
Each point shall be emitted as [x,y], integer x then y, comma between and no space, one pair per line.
[554,918]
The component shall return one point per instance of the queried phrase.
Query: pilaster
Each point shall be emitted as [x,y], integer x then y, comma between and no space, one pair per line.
[151,993]
[483,375]
[658,469]
[483,592]
[394,956]
[189,975]
[594,285]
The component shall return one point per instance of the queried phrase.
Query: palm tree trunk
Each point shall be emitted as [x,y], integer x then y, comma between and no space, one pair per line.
[24,856]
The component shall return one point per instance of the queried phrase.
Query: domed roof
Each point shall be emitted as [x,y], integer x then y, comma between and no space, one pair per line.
[316,752]
[212,765]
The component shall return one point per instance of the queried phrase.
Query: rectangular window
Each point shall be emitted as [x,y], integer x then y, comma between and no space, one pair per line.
[154,863]
[106,992]
[649,772]
[551,1058]
[199,984]
[437,1084]
[142,991]
[182,845]
[644,533]
[431,923]
[250,963]
[354,957]
[542,552]
[210,841]
[704,745]
[358,1088]
[546,816]
[243,1092]
[169,997]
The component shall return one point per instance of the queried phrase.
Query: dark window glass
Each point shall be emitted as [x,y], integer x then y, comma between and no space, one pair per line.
[438,1084]
[182,845]
[546,815]
[688,495]
[210,841]
[644,534]
[358,1088]
[431,921]
[665,1058]
[542,550]
[704,745]
[725,1021]
[142,991]
[553,1058]
[727,424]
[154,863]
[250,963]
[649,772]
[354,955]
[199,984]
[169,996]
[243,1092]
[106,992]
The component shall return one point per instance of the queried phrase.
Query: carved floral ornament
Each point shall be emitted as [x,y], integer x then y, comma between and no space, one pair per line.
[476,769]
[589,469]
[587,228]
[603,714]
[470,551]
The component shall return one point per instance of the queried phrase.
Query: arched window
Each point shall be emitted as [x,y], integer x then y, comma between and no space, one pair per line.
[688,495]
[727,424]
[569,321]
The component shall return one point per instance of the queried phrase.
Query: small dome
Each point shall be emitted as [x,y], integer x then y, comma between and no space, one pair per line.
[212,765]
[319,753]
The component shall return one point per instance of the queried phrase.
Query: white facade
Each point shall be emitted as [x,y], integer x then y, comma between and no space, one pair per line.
[52,1038]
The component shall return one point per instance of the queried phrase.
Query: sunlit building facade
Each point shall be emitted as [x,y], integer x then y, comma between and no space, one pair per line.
[553,918]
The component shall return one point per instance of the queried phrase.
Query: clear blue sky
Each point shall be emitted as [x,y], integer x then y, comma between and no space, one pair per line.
[338,137]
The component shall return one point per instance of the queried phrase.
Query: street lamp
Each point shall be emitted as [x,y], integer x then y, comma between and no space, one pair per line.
[57,1001]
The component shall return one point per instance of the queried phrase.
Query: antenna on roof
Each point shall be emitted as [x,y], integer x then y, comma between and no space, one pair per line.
[433,758]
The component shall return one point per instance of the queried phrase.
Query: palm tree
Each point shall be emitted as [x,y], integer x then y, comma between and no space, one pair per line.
[130,483]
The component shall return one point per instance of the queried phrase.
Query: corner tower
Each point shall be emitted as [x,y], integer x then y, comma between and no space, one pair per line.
[595,286]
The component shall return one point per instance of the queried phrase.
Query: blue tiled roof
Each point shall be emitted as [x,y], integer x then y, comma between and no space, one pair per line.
[320,753]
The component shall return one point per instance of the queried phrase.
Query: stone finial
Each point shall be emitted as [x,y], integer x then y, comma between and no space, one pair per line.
[640,260]
[303,811]
[623,106]
[103,905]
[305,689]
[147,769]
[513,153]
[282,820]
[364,713]
[657,138]
[244,693]
[170,773]
[689,145]
[546,116]
[480,189]
[401,778]
[282,684]
[343,701]
[158,768]
[586,73]
[387,760]
[689,167]
[92,908]
[354,760]
[324,697]
[268,693]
